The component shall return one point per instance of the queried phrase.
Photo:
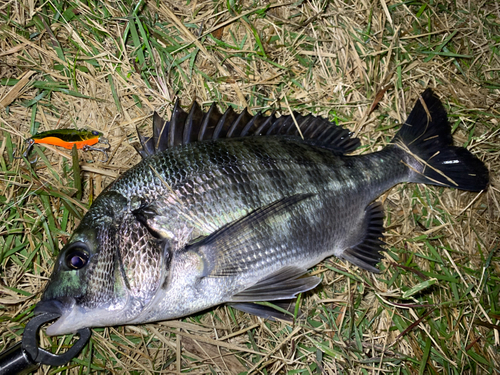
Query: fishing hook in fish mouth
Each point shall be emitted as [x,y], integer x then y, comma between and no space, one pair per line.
[39,355]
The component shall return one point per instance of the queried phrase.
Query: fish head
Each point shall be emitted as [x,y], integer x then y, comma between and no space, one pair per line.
[108,271]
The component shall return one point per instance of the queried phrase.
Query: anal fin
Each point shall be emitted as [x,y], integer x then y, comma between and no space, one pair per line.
[367,253]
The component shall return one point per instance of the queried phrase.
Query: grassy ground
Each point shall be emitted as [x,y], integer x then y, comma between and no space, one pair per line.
[106,65]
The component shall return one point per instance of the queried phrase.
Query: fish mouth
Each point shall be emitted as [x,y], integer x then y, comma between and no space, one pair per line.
[73,316]
[64,309]
[52,306]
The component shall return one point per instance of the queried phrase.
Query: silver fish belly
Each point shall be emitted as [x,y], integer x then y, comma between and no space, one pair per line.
[230,208]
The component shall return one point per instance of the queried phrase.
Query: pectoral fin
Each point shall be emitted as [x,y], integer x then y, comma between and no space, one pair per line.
[238,246]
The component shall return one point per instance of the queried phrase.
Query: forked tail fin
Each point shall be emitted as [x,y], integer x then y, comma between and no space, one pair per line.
[432,158]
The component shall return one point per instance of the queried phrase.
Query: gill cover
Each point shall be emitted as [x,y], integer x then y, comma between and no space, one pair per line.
[108,271]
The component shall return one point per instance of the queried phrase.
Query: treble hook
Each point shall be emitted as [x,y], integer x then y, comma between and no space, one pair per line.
[29,146]
[103,150]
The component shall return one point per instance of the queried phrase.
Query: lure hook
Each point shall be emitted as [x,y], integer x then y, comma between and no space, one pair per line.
[29,146]
[104,150]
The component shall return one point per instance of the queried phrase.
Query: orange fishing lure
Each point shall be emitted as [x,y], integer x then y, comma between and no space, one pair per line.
[67,138]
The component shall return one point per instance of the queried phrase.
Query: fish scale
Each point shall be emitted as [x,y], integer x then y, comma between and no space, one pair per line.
[230,208]
[290,172]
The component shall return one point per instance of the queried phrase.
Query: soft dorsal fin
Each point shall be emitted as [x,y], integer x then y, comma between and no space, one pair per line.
[196,125]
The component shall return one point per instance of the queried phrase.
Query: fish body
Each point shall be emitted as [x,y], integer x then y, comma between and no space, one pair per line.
[234,209]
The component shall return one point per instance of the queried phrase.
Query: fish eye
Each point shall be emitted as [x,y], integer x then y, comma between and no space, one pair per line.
[77,257]
[94,132]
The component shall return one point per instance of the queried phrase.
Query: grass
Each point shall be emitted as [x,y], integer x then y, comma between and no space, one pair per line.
[106,65]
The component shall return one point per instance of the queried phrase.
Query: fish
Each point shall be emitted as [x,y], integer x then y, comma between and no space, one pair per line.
[230,208]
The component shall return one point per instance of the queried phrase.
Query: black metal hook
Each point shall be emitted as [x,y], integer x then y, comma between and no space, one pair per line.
[30,342]
[25,356]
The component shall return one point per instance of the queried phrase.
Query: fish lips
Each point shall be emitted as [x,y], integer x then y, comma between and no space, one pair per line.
[63,309]
[74,317]
[52,306]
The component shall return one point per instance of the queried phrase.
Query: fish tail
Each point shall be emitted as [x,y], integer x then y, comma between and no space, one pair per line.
[430,155]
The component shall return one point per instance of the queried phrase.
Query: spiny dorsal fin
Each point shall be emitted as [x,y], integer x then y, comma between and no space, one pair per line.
[196,125]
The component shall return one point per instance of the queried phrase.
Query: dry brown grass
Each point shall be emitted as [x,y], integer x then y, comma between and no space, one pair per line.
[332,58]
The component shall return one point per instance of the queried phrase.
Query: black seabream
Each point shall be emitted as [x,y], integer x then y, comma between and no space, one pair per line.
[234,208]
